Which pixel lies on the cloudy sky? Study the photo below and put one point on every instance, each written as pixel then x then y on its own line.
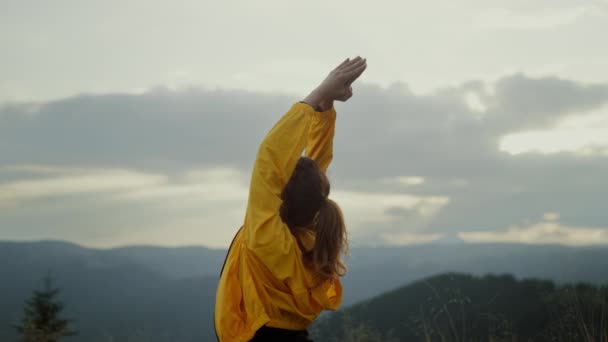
pixel 137 122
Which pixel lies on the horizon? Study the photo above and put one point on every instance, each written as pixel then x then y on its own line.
pixel 358 246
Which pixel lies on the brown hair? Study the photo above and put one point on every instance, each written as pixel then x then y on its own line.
pixel 306 206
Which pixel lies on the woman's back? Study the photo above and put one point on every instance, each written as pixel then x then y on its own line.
pixel 283 266
pixel 265 280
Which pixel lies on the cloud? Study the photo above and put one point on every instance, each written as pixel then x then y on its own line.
pixel 108 207
pixel 551 216
pixel 12 193
pixel 404 163
pixel 579 134
pixel 409 238
pixel 201 186
pixel 410 180
pixel 522 103
pixel 38 169
pixel 548 232
pixel 377 211
pixel 197 126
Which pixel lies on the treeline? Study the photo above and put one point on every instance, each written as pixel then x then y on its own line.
pixel 461 307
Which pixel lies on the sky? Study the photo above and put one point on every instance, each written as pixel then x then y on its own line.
pixel 137 122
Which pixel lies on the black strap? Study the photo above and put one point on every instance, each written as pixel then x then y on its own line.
pixel 229 248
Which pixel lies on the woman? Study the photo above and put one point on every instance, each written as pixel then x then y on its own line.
pixel 284 264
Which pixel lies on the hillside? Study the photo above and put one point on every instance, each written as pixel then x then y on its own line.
pixel 461 307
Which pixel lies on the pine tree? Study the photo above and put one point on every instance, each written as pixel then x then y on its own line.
pixel 40 322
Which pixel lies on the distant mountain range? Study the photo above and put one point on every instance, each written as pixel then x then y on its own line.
pixel 111 294
pixel 152 293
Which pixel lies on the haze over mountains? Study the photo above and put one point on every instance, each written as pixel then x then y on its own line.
pixel 168 293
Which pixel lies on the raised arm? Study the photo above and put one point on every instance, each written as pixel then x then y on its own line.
pixel 322 129
pixel 321 137
pixel 276 159
pixel 278 154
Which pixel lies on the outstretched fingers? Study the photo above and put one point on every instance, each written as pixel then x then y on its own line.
pixel 353 66
pixel 349 64
pixel 353 74
pixel 342 64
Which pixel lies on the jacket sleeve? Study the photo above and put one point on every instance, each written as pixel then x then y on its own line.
pixel 265 234
pixel 321 138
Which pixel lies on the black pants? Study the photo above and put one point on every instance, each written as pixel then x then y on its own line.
pixel 267 334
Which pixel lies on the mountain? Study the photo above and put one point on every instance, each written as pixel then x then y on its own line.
pixel 462 307
pixel 375 270
pixel 110 295
pixel 159 291
pixel 176 262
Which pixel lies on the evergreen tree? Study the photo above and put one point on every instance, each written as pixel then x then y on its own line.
pixel 41 322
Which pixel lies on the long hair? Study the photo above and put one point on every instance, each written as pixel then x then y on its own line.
pixel 306 206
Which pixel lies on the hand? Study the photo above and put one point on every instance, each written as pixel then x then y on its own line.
pixel 337 85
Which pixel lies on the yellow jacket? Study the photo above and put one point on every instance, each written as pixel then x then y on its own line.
pixel 264 280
